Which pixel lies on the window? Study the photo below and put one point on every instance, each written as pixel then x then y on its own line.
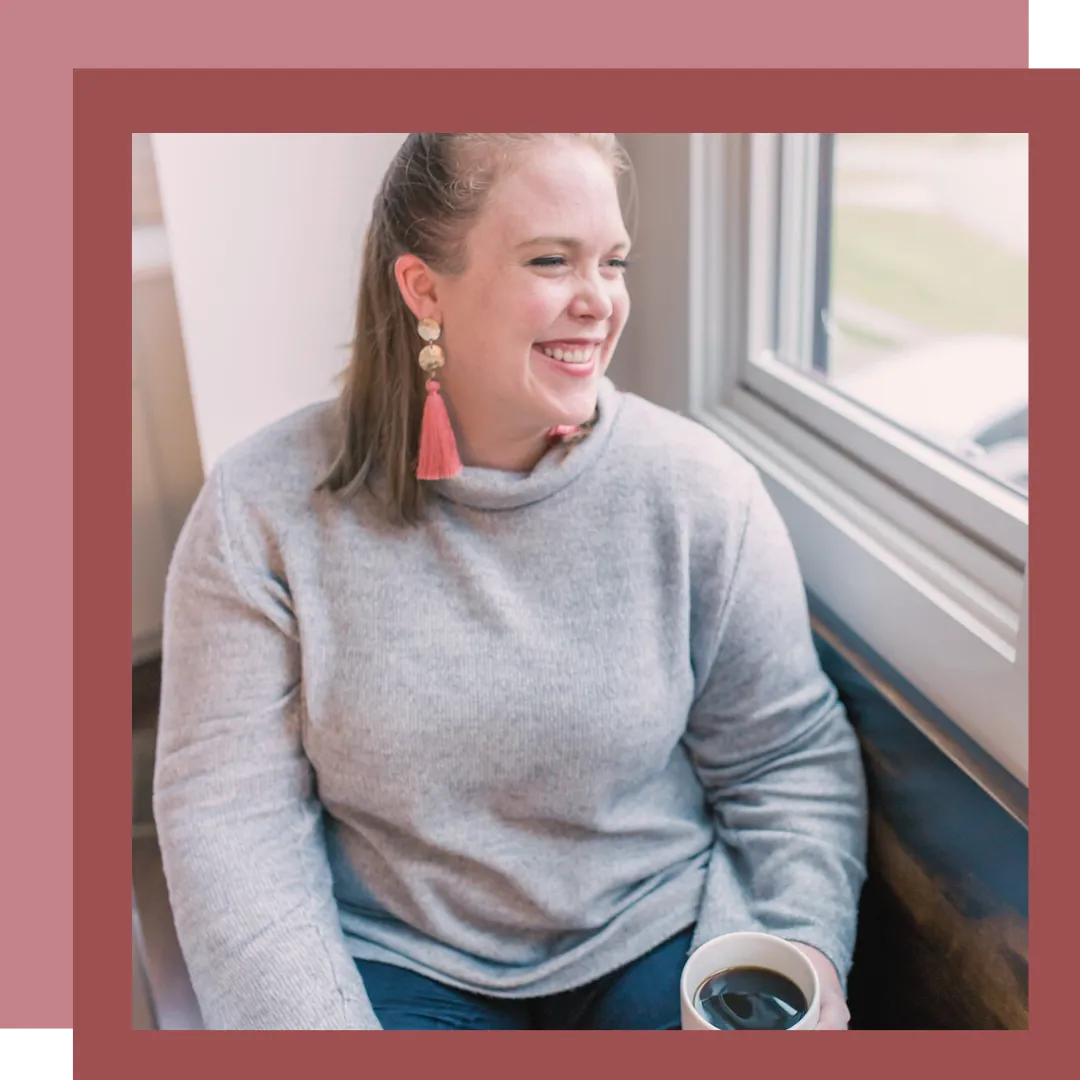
pixel 921 288
pixel 859 330
pixel 897 311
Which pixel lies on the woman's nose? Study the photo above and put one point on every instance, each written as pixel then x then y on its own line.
pixel 591 299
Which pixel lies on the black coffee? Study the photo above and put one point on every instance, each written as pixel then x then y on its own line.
pixel 750 999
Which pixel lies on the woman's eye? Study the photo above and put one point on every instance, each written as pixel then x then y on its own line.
pixel 560 260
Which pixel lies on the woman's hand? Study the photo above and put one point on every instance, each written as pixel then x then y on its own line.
pixel 834 1009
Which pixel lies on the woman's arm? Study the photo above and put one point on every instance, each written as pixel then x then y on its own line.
pixel 238 819
pixel 777 756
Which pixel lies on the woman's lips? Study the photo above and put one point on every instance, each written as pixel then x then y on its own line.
pixel 576 370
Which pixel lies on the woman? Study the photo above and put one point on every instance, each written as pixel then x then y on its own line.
pixel 495 748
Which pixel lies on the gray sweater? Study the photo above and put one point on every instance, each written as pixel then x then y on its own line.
pixel 575 712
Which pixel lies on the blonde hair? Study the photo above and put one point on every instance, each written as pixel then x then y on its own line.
pixel 433 191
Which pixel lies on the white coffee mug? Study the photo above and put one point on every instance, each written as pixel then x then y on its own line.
pixel 748 949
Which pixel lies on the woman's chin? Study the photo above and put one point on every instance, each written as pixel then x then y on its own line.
pixel 574 416
pixel 573 409
pixel 569 393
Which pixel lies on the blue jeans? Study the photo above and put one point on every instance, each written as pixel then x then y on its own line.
pixel 643 995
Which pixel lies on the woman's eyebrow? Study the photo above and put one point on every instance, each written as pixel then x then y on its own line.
pixel 569 242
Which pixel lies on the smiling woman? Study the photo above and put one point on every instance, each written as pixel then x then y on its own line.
pixel 517 291
pixel 494 749
pixel 533 306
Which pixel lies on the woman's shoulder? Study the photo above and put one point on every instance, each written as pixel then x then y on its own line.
pixel 284 459
pixel 702 486
pixel 259 491
pixel 679 453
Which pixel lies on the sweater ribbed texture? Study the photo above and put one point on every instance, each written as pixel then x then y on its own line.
pixel 514 748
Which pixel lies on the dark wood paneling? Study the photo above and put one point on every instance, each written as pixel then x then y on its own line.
pixel 943 929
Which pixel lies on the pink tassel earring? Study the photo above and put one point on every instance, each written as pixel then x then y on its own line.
pixel 438 450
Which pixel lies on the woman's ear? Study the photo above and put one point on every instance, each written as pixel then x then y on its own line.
pixel 418 286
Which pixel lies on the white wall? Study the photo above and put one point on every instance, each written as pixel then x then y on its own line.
pixel 166 471
pixel 651 359
pixel 265 233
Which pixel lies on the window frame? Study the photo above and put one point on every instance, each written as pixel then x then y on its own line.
pixel 784 234
pixel 863 501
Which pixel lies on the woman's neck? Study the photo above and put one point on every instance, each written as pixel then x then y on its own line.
pixel 490 451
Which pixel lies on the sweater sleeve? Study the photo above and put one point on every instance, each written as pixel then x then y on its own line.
pixel 777 756
pixel 238 819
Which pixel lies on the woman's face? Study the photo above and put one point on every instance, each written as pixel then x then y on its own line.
pixel 530 325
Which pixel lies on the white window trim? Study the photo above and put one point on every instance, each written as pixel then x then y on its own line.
pixel 979 505
pixel 945 609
